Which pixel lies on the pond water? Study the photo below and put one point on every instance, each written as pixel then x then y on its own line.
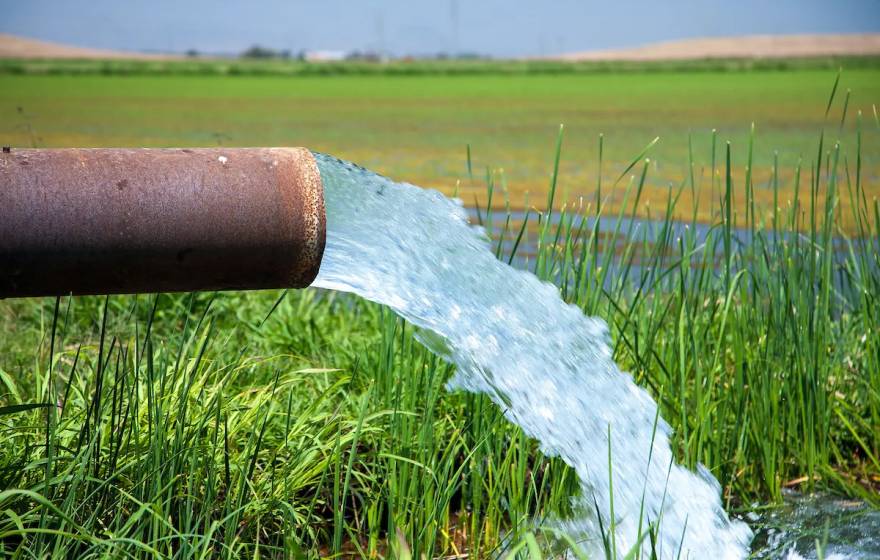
pixel 844 529
pixel 643 235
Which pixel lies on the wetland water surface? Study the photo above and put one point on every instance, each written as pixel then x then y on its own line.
pixel 842 528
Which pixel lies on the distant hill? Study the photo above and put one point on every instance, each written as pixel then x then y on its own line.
pixel 754 46
pixel 13 46
pixel 748 47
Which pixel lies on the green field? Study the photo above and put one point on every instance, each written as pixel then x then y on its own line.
pixel 417 128
pixel 306 424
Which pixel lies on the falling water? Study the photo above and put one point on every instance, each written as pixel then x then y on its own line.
pixel 547 365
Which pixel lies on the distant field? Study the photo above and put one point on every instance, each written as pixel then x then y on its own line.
pixel 14 46
pixel 417 128
pixel 753 46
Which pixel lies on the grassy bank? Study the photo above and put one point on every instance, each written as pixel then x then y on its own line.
pixel 416 128
pixel 310 423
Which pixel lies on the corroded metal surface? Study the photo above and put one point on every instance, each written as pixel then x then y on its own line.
pixel 106 221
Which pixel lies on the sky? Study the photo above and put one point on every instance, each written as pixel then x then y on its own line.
pixel 500 28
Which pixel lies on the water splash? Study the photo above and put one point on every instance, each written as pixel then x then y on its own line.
pixel 547 365
pixel 845 529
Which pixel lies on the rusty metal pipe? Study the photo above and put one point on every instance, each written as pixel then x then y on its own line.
pixel 112 221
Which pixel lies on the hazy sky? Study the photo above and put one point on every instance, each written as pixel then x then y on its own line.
pixel 495 27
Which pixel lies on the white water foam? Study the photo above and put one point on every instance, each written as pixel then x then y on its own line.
pixel 547 365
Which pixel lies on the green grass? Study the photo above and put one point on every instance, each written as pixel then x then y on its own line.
pixel 415 128
pixel 209 425
pixel 472 67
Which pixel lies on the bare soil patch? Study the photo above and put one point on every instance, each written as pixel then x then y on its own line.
pixel 755 46
pixel 13 46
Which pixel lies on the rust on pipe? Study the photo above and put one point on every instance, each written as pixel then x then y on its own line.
pixel 112 221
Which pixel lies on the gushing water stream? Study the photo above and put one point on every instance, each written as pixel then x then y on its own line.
pixel 547 365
